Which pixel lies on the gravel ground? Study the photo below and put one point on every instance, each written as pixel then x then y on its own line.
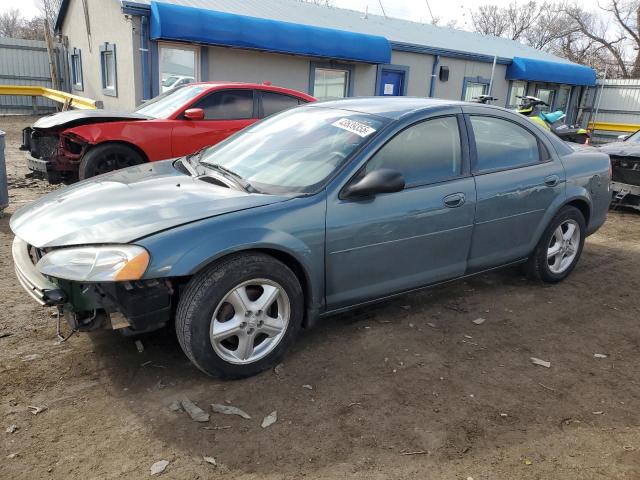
pixel 408 389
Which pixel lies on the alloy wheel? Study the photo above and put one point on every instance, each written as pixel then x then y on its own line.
pixel 563 246
pixel 250 321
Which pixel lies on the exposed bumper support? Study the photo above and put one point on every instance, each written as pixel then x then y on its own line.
pixel 37 286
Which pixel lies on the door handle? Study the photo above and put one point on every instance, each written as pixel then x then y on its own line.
pixel 454 200
pixel 551 180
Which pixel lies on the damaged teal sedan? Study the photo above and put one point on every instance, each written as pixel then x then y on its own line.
pixel 313 211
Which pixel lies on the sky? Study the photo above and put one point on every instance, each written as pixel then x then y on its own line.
pixel 416 10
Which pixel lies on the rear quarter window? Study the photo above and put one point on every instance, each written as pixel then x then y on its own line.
pixel 276 102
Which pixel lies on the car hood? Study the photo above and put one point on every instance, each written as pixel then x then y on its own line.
pixel 622 149
pixel 73 118
pixel 126 205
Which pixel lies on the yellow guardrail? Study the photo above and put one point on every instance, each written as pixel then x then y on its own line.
pixel 614 127
pixel 68 99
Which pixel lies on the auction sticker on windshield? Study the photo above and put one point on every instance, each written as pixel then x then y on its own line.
pixel 352 126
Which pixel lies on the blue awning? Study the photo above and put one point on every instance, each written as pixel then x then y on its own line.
pixel 552 72
pixel 189 24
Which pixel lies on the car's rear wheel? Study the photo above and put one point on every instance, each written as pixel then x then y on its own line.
pixel 560 247
pixel 239 316
pixel 107 158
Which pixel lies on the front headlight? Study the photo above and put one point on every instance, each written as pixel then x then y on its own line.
pixel 110 263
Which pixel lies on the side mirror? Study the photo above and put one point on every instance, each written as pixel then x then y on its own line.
pixel 623 137
pixel 194 114
pixel 383 180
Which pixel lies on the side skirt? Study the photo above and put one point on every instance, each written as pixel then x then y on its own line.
pixel 418 289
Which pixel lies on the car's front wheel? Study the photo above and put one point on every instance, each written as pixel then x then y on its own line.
pixel 239 316
pixel 560 247
pixel 107 158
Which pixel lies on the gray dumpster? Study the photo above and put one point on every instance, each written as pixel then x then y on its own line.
pixel 4 191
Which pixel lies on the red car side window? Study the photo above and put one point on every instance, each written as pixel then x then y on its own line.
pixel 276 102
pixel 227 105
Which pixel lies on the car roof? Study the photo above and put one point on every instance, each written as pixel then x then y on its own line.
pixel 391 107
pixel 257 86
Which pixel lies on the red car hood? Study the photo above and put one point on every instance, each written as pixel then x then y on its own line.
pixel 74 118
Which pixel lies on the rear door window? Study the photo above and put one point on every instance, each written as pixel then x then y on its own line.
pixel 276 102
pixel 227 105
pixel 501 144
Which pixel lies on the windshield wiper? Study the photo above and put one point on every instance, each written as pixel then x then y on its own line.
pixel 246 186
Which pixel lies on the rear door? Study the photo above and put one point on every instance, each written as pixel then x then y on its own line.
pixel 518 179
pixel 225 113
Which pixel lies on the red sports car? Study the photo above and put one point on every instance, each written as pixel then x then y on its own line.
pixel 83 143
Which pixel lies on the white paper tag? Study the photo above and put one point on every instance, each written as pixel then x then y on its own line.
pixel 388 88
pixel 352 126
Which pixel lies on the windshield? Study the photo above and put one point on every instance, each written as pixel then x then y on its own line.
pixel 294 151
pixel 164 105
pixel 635 138
pixel 169 81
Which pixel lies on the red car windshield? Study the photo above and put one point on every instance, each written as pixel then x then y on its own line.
pixel 163 106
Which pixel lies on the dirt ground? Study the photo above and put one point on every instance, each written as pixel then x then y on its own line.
pixel 408 389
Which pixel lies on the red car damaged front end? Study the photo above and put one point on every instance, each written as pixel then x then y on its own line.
pixel 53 156
pixel 54 150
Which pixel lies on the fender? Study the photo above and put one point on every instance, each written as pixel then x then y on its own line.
pixel 573 193
pixel 150 137
pixel 186 250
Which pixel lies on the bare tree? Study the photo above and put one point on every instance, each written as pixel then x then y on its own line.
pixel 14 25
pixel 326 3
pixel 570 31
pixel 11 23
pixel 511 21
pixel 49 9
pixel 593 27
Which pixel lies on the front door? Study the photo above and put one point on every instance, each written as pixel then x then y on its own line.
pixel 398 241
pixel 225 113
pixel 391 83
pixel 518 180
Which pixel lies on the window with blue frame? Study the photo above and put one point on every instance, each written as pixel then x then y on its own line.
pixel 473 87
pixel 75 61
pixel 108 69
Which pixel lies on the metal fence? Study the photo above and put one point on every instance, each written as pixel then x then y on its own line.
pixel 26 62
pixel 611 108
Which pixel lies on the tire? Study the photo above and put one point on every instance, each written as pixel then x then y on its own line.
pixel 107 158
pixel 221 339
pixel 553 269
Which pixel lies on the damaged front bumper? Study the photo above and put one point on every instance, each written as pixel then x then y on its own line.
pixel 137 307
pixel 51 155
pixel 36 285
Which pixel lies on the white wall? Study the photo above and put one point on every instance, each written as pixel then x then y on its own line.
pixel 419 71
pixel 107 24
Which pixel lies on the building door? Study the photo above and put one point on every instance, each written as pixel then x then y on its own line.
pixel 391 83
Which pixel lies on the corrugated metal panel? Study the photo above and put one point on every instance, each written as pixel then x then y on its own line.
pixel 24 62
pixel 616 101
pixel 395 30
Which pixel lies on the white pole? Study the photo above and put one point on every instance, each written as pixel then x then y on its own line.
pixel 493 71
pixel 604 80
